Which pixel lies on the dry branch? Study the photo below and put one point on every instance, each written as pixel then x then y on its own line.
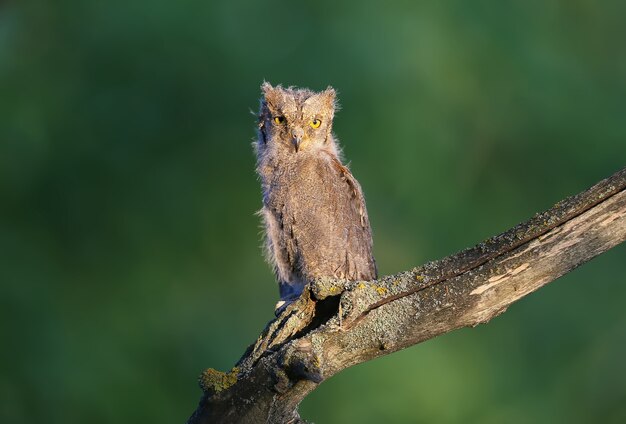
pixel 335 325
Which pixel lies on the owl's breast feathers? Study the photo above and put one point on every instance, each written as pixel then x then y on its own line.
pixel 320 225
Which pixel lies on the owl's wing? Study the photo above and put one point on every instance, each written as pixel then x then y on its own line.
pixel 356 192
pixel 360 263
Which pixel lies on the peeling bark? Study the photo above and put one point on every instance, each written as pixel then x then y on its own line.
pixel 335 325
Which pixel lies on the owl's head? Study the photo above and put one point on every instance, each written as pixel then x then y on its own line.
pixel 296 120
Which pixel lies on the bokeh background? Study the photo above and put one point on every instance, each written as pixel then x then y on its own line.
pixel 129 248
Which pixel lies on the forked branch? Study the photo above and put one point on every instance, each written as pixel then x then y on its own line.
pixel 335 325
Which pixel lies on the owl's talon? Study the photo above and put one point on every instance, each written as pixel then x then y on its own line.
pixel 281 305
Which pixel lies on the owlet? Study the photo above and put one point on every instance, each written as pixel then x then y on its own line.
pixel 314 214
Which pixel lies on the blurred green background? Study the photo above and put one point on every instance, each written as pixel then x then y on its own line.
pixel 129 248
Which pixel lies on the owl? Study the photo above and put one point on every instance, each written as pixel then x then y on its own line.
pixel 314 214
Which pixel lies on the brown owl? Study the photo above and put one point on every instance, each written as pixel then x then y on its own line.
pixel 313 211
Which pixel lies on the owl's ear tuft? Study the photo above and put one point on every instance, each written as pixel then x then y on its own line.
pixel 329 97
pixel 266 87
pixel 271 94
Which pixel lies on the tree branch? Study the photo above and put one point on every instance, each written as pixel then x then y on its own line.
pixel 335 325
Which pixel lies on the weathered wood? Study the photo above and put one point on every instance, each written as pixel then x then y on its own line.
pixel 335 325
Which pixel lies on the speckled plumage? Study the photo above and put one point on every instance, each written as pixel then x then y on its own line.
pixel 314 214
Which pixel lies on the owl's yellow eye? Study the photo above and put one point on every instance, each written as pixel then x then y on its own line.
pixel 315 123
pixel 279 119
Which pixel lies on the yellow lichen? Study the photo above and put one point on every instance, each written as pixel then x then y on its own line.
pixel 419 278
pixel 381 290
pixel 216 381
pixel 361 286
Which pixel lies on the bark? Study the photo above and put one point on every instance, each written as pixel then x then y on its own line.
pixel 335 325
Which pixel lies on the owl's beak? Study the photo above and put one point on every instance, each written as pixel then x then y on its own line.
pixel 296 142
pixel 296 137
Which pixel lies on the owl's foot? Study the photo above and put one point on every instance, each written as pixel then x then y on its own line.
pixel 281 305
pixel 289 293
